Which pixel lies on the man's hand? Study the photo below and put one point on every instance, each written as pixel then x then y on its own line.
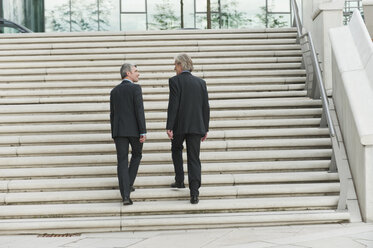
pixel 142 138
pixel 170 134
pixel 204 137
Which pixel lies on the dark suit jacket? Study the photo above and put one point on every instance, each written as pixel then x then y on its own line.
pixel 127 116
pixel 188 106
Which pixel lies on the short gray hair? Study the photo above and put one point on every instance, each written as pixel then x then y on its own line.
pixel 185 61
pixel 126 68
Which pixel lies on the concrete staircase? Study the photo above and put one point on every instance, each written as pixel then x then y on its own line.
pixel 265 161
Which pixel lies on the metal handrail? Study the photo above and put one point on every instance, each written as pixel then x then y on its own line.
pixel 336 154
pixel 316 66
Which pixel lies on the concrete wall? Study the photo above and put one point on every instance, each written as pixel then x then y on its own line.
pixel 326 15
pixel 368 15
pixel 352 70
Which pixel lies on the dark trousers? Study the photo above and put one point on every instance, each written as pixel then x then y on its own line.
pixel 127 174
pixel 193 144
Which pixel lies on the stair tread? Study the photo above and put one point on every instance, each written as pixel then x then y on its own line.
pixel 145 222
pixel 95 117
pixel 165 181
pixel 169 206
pixel 265 161
pixel 167 193
pixel 160 136
pixel 166 168
pixel 168 62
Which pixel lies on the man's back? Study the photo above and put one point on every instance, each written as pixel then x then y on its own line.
pixel 126 110
pixel 188 105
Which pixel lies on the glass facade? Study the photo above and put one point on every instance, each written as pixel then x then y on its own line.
pixel 131 15
pixel 350 6
pixel 29 13
pixel 81 15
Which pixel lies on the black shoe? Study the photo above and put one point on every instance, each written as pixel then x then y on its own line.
pixel 194 199
pixel 177 185
pixel 132 189
pixel 127 201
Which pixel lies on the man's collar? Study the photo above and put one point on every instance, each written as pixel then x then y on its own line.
pixel 127 80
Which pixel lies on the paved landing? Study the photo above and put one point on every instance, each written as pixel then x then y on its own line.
pixel 351 235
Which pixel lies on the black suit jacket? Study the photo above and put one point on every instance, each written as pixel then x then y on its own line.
pixel 188 106
pixel 127 116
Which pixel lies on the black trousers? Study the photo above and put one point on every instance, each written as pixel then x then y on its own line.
pixel 127 174
pixel 193 144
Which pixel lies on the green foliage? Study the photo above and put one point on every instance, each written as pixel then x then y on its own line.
pixel 84 17
pixel 269 20
pixel 231 17
pixel 164 17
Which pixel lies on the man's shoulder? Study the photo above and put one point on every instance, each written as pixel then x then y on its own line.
pixel 197 79
pixel 124 86
pixel 174 78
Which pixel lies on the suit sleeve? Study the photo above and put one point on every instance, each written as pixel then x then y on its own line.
pixel 139 109
pixel 206 108
pixel 173 104
pixel 111 114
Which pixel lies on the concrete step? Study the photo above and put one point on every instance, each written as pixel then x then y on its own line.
pixel 38 91
pixel 147 69
pixel 151 32
pixel 214 125
pixel 159 97
pixel 156 158
pixel 138 36
pixel 155 105
pixel 155 83
pixel 231 192
pixel 164 169
pixel 265 161
pixel 143 50
pixel 157 75
pixel 173 222
pixel 145 44
pixel 155 62
pixel 152 116
pixel 15 185
pixel 160 136
pixel 168 206
pixel 148 56
pixel 230 145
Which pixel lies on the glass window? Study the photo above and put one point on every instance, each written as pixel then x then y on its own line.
pixel 13 10
pixel 242 13
pixel 8 30
pixel 163 14
pixel 84 15
pixel 279 20
pixel 201 15
pixel 108 15
pixel 201 21
pixel 132 22
pixel 133 5
pixel 201 5
pixel 57 15
pixel 278 6
pixel 189 14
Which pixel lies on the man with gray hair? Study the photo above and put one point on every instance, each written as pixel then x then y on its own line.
pixel 188 119
pixel 127 121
